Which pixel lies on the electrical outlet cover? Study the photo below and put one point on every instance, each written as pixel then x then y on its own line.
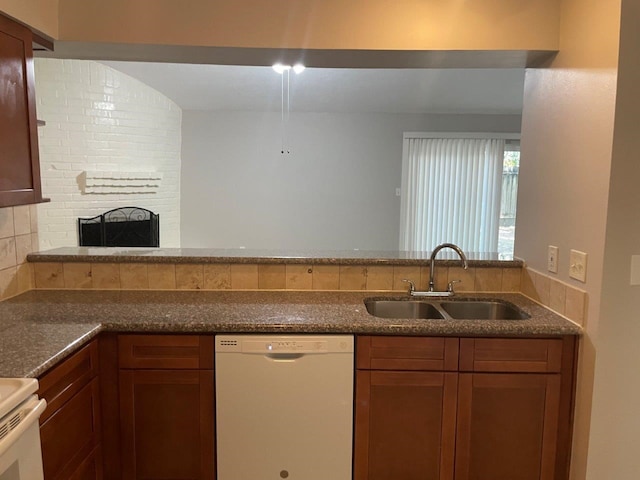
pixel 552 259
pixel 578 265
pixel 635 270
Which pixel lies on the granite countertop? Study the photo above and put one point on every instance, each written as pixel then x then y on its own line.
pixel 238 255
pixel 40 327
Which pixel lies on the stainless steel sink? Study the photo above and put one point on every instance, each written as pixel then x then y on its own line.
pixel 444 309
pixel 484 310
pixel 402 309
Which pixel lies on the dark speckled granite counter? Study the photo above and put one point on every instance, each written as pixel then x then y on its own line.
pixel 220 255
pixel 39 328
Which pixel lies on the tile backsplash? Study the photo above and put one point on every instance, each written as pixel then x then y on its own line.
pixel 560 297
pixel 18 238
pixel 243 276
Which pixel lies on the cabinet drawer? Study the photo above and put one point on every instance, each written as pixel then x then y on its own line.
pixel 70 435
pixel 542 355
pixel 62 382
pixel 182 352
pixel 407 353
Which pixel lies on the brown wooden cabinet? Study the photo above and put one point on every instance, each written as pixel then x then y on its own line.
pixel 70 427
pixel 405 425
pixel 166 407
pixel 507 426
pixel 463 409
pixel 405 407
pixel 19 158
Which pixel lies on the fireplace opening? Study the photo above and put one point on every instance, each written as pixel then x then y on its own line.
pixel 120 227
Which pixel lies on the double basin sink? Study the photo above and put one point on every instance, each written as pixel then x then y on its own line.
pixel 441 309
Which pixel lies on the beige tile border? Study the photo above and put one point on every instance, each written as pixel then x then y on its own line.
pixel 162 276
pixel 105 276
pixel 560 297
pixel 375 278
pixel 379 277
pixel 244 276
pixel 272 277
pixel 18 238
pixel 298 277
pixel 189 277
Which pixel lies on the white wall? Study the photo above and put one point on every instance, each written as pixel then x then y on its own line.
pixel 615 434
pixel 563 192
pixel 100 119
pixel 335 190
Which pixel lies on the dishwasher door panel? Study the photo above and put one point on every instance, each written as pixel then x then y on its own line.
pixel 283 413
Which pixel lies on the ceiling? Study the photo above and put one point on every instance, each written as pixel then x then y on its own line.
pixel 245 88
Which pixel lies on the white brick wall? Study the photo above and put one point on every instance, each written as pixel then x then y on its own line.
pixel 99 119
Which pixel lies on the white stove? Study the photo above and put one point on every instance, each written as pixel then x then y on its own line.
pixel 20 409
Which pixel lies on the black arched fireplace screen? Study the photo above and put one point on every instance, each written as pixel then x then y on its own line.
pixel 120 227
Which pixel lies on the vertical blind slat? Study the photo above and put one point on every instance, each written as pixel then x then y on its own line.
pixel 453 188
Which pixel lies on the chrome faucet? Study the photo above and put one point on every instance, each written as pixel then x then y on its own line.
pixel 432 266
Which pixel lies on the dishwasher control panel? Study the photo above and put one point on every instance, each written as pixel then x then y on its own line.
pixel 284 344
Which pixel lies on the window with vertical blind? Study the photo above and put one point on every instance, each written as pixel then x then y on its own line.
pixel 452 191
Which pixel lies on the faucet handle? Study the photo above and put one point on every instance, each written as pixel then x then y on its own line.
pixel 412 286
pixel 450 285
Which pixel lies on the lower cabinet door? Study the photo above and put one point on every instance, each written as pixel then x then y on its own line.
pixel 167 424
pixel 405 425
pixel 71 433
pixel 507 426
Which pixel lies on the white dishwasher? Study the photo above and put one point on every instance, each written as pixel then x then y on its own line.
pixel 284 407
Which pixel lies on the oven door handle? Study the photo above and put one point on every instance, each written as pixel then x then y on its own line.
pixel 32 409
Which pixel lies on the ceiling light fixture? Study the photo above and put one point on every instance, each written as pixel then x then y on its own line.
pixel 285 71
pixel 280 68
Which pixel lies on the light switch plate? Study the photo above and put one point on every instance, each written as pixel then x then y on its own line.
pixel 635 270
pixel 552 259
pixel 578 265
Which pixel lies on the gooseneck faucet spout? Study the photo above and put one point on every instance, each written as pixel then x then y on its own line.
pixel 432 261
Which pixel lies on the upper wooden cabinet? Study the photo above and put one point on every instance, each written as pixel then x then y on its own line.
pixel 19 159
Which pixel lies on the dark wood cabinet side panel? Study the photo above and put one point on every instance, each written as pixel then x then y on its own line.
pixel 451 354
pixel 127 424
pixel 449 412
pixel 110 405
pixel 62 382
pixel 71 433
pixel 363 351
pixel 207 425
pixel 362 415
pixel 189 352
pixel 567 404
pixel 207 352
